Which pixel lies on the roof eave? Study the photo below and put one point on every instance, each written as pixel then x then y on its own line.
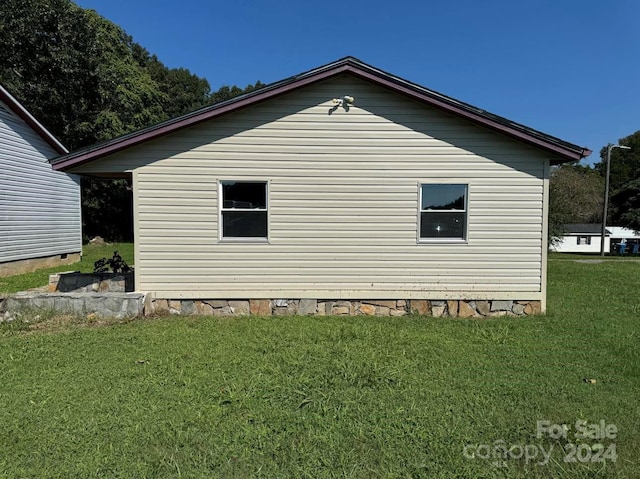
pixel 563 152
pixel 30 120
pixel 568 154
pixel 185 121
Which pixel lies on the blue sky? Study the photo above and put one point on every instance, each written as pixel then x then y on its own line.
pixel 566 67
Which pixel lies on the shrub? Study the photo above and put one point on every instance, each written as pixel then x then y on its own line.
pixel 115 263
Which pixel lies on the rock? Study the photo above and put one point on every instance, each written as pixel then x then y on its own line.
pixel 340 310
pixel 350 307
pixel 497 305
pixel 401 303
pixel 204 308
pixel 147 305
pixel 534 307
pixel 438 310
pixel 385 303
pixel 383 310
pixel 397 312
pixel 518 309
pixel 465 310
pixel 289 310
pixel 188 307
pixel 483 307
pixel 322 308
pixel 496 314
pixel 161 306
pixel 216 303
pixel 174 307
pixel 368 309
pixel 241 308
pixel 98 241
pixel 224 311
pixel 260 307
pixel 421 306
pixel 452 306
pixel 308 306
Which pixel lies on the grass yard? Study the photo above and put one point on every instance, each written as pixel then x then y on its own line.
pixel 331 397
pixel 91 254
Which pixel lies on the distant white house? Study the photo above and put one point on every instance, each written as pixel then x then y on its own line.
pixel 40 220
pixel 586 238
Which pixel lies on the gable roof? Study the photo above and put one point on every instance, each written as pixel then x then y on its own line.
pixel 563 150
pixel 21 112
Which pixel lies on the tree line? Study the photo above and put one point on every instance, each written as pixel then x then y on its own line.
pixel 577 192
pixel 86 80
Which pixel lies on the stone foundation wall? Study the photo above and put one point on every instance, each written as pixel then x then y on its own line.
pixel 304 307
pixel 29 265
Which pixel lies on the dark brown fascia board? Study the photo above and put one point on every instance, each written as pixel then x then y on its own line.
pixel 30 120
pixel 567 151
pixel 171 126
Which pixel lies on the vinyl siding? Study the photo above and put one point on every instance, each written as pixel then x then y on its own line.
pixel 343 202
pixel 39 207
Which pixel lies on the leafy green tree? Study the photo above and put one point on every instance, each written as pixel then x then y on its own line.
pixel 107 209
pixel 228 92
pixel 87 81
pixel 624 202
pixel 625 164
pixel 626 205
pixel 576 195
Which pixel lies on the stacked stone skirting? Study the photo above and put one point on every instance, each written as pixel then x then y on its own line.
pixel 304 307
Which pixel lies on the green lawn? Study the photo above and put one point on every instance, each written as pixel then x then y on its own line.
pixel 329 397
pixel 20 282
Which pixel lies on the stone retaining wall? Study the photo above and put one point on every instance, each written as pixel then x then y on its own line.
pixel 74 281
pixel 303 307
pixel 107 305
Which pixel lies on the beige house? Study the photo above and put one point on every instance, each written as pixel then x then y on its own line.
pixel 344 189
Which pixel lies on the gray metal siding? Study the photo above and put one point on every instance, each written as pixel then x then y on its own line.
pixel 39 207
pixel 343 203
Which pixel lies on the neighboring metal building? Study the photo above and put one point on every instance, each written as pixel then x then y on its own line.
pixel 343 182
pixel 39 208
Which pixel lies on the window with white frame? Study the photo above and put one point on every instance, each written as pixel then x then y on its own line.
pixel 244 209
pixel 443 211
pixel 584 240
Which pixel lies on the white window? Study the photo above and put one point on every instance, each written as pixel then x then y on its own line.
pixel 243 209
pixel 443 212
